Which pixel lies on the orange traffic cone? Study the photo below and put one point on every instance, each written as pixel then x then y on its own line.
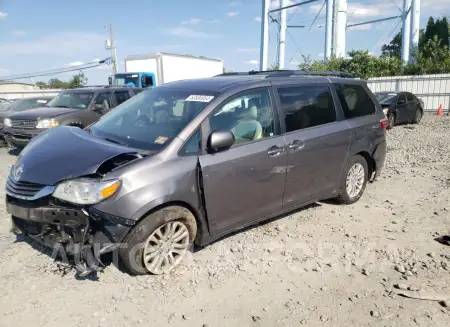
pixel 440 111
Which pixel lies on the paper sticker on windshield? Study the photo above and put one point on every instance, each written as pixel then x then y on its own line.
pixel 42 101
pixel 200 98
pixel 161 139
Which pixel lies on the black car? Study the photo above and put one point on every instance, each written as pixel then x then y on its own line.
pixel 9 107
pixel 400 107
pixel 76 107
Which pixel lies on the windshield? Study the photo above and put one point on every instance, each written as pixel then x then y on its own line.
pixel 124 79
pixel 25 104
pixel 385 98
pixel 67 99
pixel 151 119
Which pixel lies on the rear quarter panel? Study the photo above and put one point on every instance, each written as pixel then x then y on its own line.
pixel 367 133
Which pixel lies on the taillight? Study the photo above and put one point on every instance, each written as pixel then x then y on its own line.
pixel 384 123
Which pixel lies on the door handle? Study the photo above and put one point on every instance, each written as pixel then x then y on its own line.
pixel 275 151
pixel 296 145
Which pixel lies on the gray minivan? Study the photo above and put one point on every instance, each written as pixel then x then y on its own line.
pixel 237 149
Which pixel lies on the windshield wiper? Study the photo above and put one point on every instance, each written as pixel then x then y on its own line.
pixel 58 106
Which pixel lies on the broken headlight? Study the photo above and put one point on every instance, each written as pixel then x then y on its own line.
pixel 85 190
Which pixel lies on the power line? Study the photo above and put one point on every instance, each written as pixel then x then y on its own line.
pixel 388 34
pixel 58 70
pixel 315 18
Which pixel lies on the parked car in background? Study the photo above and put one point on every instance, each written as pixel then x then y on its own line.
pixel 400 107
pixel 74 107
pixel 9 107
pixel 236 150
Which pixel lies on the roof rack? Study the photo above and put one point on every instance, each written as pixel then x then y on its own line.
pixel 233 74
pixel 105 86
pixel 289 73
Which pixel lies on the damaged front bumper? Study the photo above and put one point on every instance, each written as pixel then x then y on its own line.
pixel 83 233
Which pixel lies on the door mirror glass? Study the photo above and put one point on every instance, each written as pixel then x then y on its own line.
pixel 220 140
pixel 98 107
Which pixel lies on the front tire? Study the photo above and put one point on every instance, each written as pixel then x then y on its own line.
pixel 159 242
pixel 391 121
pixel 354 180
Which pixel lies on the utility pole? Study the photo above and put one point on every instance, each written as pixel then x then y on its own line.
pixel 113 49
pixel 415 25
pixel 340 30
pixel 282 44
pixel 329 30
pixel 264 35
pixel 406 29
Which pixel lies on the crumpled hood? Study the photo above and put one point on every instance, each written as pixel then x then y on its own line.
pixel 65 152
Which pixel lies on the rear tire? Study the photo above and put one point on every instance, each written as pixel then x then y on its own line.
pixel 418 117
pixel 354 180
pixel 152 246
pixel 391 121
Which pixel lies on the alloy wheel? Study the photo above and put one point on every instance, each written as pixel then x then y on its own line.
pixel 166 247
pixel 355 180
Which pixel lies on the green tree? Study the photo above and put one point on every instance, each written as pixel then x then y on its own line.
pixel 79 80
pixel 430 31
pixel 360 64
pixel 42 85
pixel 55 83
pixel 273 67
pixel 393 49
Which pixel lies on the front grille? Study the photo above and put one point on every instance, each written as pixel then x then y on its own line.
pixel 22 189
pixel 23 123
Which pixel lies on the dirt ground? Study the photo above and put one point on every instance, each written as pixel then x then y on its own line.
pixel 326 265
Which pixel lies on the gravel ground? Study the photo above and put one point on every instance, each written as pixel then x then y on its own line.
pixel 324 265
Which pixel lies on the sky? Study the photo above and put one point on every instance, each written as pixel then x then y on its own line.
pixel 37 35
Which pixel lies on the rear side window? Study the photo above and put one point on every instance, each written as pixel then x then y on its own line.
pixel 121 96
pixel 355 101
pixel 306 106
pixel 401 99
pixel 410 97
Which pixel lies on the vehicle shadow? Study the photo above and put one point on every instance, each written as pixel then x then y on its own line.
pixel 262 223
pixel 14 151
pixel 65 264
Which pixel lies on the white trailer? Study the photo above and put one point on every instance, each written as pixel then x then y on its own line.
pixel 169 67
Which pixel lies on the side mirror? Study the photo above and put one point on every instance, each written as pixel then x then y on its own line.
pixel 220 140
pixel 110 80
pixel 98 107
pixel 401 101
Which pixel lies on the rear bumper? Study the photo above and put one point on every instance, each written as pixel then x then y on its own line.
pixel 379 156
pixel 82 233
pixel 20 137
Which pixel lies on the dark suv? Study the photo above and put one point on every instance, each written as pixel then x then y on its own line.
pixel 238 149
pixel 76 107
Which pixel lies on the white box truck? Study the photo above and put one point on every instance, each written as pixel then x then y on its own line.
pixel 158 68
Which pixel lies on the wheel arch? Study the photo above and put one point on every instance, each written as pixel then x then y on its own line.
pixel 197 215
pixel 371 164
